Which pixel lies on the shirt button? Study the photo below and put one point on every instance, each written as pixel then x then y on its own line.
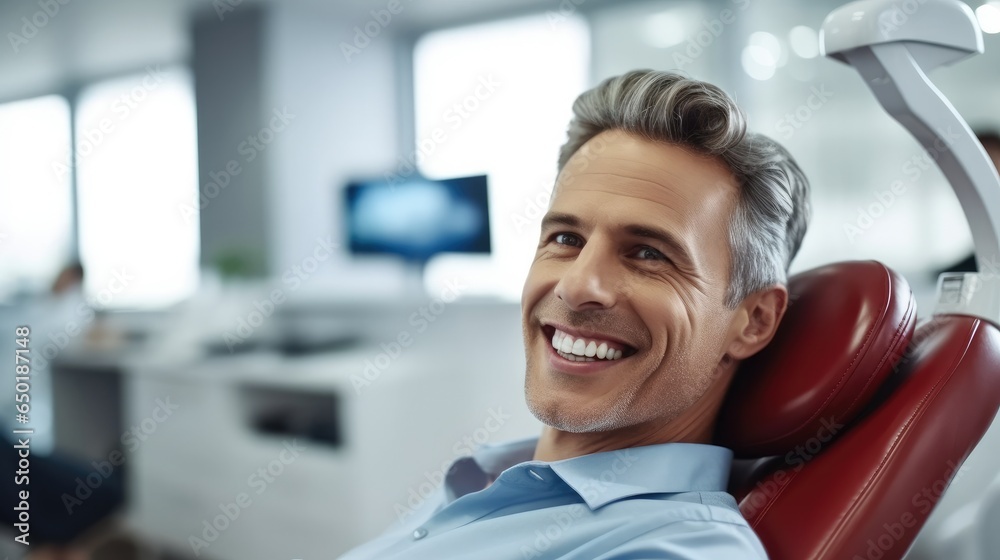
pixel 419 534
pixel 536 475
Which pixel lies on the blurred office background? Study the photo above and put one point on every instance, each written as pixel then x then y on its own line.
pixel 195 157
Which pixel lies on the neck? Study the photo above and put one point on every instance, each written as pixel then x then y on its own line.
pixel 694 425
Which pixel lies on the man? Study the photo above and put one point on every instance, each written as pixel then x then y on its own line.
pixel 661 265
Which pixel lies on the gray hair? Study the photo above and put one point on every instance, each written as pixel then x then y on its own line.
pixel 772 212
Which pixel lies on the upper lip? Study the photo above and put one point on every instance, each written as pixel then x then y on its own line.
pixel 581 333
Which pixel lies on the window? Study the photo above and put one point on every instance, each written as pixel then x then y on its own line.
pixel 496 98
pixel 136 159
pixel 35 196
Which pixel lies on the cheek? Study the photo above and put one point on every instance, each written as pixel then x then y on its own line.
pixel 708 342
pixel 668 321
pixel 532 290
pixel 536 287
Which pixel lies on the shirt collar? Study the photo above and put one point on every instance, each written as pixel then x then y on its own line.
pixel 496 458
pixel 601 478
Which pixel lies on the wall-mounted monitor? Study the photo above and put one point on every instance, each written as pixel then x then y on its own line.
pixel 418 218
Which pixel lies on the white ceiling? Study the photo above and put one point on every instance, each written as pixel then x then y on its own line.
pixel 87 39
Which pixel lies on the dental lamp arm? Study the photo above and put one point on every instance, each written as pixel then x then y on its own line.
pixel 891 50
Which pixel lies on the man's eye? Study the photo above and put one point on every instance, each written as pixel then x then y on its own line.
pixel 649 253
pixel 566 239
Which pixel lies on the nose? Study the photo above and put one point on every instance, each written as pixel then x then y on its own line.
pixel 589 282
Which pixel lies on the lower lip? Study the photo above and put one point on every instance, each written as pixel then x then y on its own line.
pixel 578 368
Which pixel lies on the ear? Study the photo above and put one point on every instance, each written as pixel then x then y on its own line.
pixel 757 320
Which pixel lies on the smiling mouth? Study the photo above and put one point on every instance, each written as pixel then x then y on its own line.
pixel 585 349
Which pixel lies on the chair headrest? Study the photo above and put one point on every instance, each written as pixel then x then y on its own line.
pixel 846 327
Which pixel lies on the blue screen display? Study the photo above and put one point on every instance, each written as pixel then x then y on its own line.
pixel 418 218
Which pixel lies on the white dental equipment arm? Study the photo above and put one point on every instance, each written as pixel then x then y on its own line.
pixel 893 44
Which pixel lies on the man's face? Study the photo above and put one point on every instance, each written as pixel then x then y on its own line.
pixel 633 255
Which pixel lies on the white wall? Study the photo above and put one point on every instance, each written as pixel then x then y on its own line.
pixel 346 125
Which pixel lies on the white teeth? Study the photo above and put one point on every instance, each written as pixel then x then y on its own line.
pixel 581 350
pixel 575 358
pixel 611 355
pixel 567 344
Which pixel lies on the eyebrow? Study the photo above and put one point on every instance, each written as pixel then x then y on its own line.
pixel 675 246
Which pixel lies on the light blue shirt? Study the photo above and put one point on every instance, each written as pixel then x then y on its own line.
pixel 642 503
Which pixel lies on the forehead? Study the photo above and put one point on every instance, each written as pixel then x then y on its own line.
pixel 631 178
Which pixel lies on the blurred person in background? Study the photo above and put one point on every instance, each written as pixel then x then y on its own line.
pixel 70 278
pixel 62 525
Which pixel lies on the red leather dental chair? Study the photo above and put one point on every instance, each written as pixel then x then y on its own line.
pixel 850 424
pixel 854 419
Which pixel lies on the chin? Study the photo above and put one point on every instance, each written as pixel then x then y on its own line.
pixel 558 412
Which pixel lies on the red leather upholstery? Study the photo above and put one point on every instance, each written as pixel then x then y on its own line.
pixel 867 492
pixel 845 327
